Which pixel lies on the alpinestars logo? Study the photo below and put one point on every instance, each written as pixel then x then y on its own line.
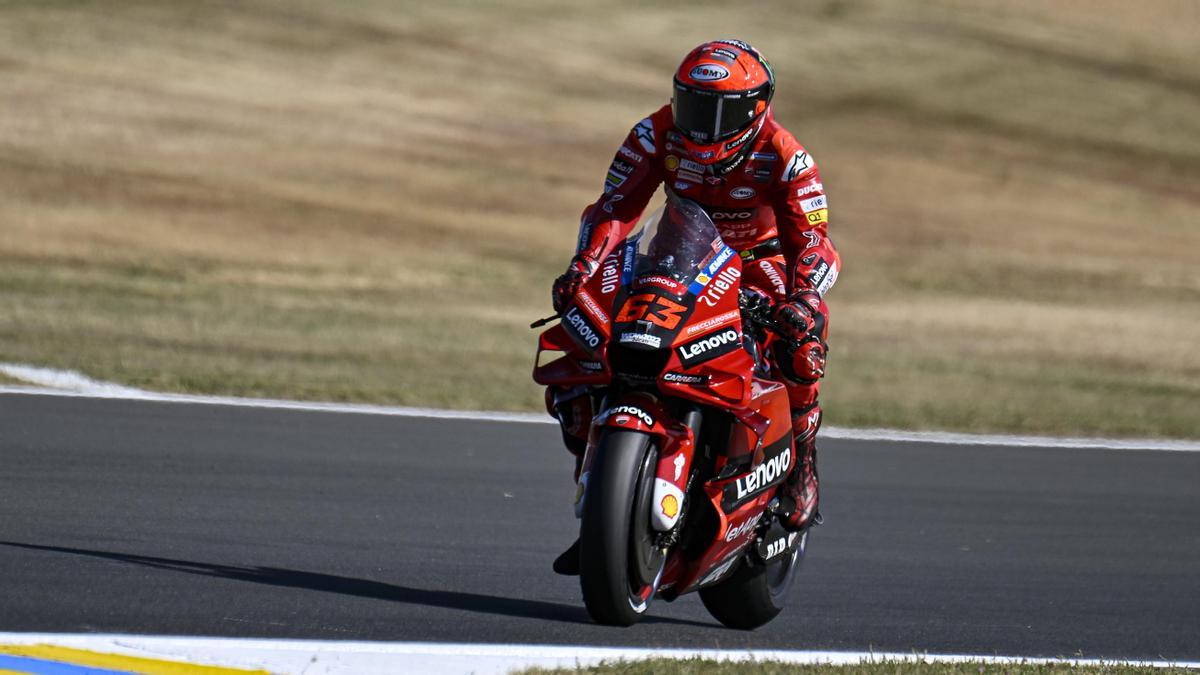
pixel 798 165
pixel 709 347
pixel 644 131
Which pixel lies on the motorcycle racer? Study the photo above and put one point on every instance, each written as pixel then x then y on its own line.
pixel 718 144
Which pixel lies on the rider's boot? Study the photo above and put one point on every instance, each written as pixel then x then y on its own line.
pixel 798 500
pixel 567 562
pixel 573 410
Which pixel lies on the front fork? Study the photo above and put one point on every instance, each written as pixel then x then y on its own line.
pixel 674 431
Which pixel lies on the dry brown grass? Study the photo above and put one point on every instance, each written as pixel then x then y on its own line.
pixel 368 201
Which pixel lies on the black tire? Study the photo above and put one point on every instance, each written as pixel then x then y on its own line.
pixel 614 560
pixel 755 593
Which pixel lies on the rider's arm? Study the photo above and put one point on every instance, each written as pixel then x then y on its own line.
pixel 802 216
pixel 632 178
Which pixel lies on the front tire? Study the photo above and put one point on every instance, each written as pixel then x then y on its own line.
pixel 755 593
pixel 618 566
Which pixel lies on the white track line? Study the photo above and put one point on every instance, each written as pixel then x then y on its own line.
pixel 322 656
pixel 69 383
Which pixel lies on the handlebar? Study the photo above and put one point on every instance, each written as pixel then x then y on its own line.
pixel 542 322
pixel 756 309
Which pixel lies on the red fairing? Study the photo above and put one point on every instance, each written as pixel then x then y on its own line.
pixel 583 335
pixel 708 364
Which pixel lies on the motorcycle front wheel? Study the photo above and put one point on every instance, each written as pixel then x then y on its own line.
pixel 619 564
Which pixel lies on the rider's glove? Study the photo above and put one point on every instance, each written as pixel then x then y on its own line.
pixel 567 285
pixel 798 317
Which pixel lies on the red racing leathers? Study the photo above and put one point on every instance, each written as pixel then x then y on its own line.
pixel 770 206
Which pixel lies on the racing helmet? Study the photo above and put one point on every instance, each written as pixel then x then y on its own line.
pixel 722 90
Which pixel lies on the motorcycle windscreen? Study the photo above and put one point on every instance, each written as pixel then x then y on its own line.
pixel 677 240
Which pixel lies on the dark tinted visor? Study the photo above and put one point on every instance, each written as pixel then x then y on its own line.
pixel 708 117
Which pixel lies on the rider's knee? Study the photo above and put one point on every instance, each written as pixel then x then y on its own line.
pixel 572 407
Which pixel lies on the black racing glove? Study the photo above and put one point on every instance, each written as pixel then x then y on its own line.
pixel 798 317
pixel 567 285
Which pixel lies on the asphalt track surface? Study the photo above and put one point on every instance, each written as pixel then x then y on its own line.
pixel 177 519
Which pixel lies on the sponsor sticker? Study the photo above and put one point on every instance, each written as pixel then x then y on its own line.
pixel 633 411
pixel 691 166
pixel 799 163
pixel 818 216
pixel 689 175
pixel 739 44
pixel 709 324
pixel 814 239
pixel 709 72
pixel 684 378
pixel 613 181
pixel 709 347
pixel 776 462
pixel 742 529
pixel 641 339
pixel 740 140
pixel 644 131
pixel 671 162
pixel 679 185
pixel 630 154
pixel 773 276
pixel 577 325
pixel 814 203
pixel 742 193
pixel 589 304
pixel 809 189
pixel 763 157
pixel 621 167
pixel 816 276
pixel 725 54
pixel 731 215
pixel 722 282
pixel 719 261
pixel 827 282
pixel 670 506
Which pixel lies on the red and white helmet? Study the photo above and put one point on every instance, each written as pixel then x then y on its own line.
pixel 722 90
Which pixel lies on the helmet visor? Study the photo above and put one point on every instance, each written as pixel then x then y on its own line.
pixel 708 117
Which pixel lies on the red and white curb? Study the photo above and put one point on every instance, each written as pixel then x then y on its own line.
pixel 50 382
pixel 313 657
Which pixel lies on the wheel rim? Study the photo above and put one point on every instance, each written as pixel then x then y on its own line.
pixel 781 572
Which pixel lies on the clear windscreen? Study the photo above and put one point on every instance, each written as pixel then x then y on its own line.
pixel 677 241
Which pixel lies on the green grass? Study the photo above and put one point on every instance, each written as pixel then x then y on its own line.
pixel 368 201
pixel 708 667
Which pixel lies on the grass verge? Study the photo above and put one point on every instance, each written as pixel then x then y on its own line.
pixel 368 201
pixel 709 667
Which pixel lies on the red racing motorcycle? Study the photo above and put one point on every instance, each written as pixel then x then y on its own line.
pixel 676 491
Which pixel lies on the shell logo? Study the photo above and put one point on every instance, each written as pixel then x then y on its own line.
pixel 670 506
pixel 672 162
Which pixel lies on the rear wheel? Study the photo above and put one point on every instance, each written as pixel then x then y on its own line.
pixel 755 593
pixel 619 564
